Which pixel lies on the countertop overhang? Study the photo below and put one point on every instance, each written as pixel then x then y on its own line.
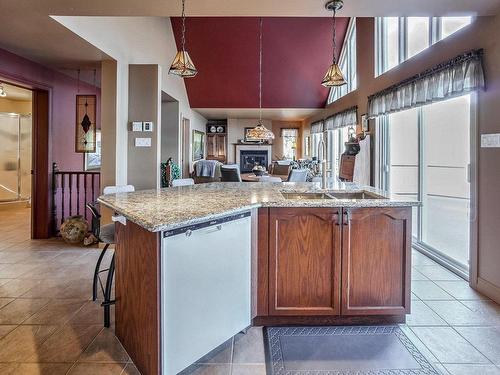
pixel 170 208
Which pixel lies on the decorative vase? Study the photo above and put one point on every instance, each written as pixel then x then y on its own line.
pixel 258 170
pixel 74 229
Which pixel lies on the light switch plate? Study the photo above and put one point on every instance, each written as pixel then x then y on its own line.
pixel 137 126
pixel 143 142
pixel 147 126
pixel 490 140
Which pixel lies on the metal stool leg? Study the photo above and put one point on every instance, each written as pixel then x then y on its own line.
pixel 96 272
pixel 107 294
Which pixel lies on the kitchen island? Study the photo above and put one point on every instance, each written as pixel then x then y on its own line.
pixel 197 264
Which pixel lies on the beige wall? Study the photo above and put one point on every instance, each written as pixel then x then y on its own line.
pixel 15 106
pixel 481 34
pixel 144 105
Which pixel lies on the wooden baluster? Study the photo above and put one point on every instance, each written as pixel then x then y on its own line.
pixel 93 188
pixel 78 193
pixel 63 194
pixel 85 195
pixel 70 193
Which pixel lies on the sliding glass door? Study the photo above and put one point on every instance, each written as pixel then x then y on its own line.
pixel 424 154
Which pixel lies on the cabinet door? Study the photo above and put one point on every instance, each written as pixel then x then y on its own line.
pixel 221 147
pixel 211 147
pixel 376 251
pixel 304 261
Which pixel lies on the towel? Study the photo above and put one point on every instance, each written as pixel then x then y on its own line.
pixel 205 168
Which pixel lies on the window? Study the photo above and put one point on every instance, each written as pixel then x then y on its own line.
pixel 316 139
pixel 289 137
pixel 424 154
pixel 399 38
pixel 335 148
pixel 347 63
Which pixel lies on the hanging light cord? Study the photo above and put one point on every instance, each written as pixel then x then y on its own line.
pixel 260 71
pixel 334 59
pixel 183 42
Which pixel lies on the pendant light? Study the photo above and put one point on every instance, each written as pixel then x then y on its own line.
pixel 334 76
pixel 3 94
pixel 183 65
pixel 260 131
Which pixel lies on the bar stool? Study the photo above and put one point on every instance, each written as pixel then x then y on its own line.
pixel 106 235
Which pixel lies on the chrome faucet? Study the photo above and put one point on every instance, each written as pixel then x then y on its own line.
pixel 322 145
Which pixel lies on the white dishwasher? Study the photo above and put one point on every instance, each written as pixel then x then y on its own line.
pixel 205 288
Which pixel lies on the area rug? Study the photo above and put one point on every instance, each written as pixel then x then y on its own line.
pixel 343 350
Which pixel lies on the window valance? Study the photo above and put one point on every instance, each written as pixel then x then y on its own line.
pixel 456 77
pixel 317 127
pixel 342 119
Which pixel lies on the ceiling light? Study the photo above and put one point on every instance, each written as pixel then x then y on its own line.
pixel 334 76
pixel 260 131
pixel 183 65
pixel 3 94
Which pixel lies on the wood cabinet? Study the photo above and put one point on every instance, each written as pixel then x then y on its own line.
pixel 334 262
pixel 376 251
pixel 304 261
pixel 216 147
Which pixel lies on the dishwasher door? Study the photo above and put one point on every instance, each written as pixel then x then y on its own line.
pixel 205 288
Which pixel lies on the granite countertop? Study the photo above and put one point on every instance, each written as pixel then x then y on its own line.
pixel 170 208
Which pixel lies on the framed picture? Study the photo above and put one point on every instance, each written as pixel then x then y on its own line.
pixel 198 145
pixel 85 125
pixel 92 160
pixel 364 124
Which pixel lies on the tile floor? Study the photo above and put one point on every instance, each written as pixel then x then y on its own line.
pixel 49 325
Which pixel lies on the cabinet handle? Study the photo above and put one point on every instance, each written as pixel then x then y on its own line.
pixel 339 218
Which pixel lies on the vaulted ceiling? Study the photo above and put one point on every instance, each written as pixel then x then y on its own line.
pixel 296 54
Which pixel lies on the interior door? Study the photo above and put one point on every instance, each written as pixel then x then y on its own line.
pixel 9 157
pixel 186 147
pixel 304 261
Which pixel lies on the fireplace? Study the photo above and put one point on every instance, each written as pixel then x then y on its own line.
pixel 250 158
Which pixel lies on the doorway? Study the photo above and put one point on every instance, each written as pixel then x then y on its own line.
pixel 425 155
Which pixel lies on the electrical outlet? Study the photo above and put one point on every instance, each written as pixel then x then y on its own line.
pixel 137 126
pixel 490 140
pixel 147 126
pixel 143 142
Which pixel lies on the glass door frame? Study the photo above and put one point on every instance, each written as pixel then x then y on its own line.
pixel 382 181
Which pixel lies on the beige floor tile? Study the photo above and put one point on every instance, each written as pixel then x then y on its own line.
pixel 248 370
pixel 67 344
pixel 5 301
pixel 20 309
pixel 91 313
pixel 79 288
pixel 460 290
pixel 207 369
pixel 105 348
pixel 130 369
pixel 97 369
pixel 12 271
pixel 249 347
pixel 6 329
pixel 57 312
pixel 456 369
pixel 49 288
pixel 448 346
pixel 23 342
pixel 422 315
pixel 437 273
pixel 17 287
pixel 485 339
pixel 415 275
pixel 456 313
pixel 222 354
pixel 428 290
pixel 39 369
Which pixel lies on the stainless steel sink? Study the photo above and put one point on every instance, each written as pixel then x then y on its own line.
pixel 299 196
pixel 356 195
pixel 333 195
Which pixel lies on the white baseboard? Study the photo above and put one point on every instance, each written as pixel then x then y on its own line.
pixel 488 289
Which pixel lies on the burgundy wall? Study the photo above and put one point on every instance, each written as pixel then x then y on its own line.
pixel 296 54
pixel 62 89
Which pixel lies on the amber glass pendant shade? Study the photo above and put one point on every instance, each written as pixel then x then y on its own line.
pixel 260 132
pixel 183 65
pixel 333 77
